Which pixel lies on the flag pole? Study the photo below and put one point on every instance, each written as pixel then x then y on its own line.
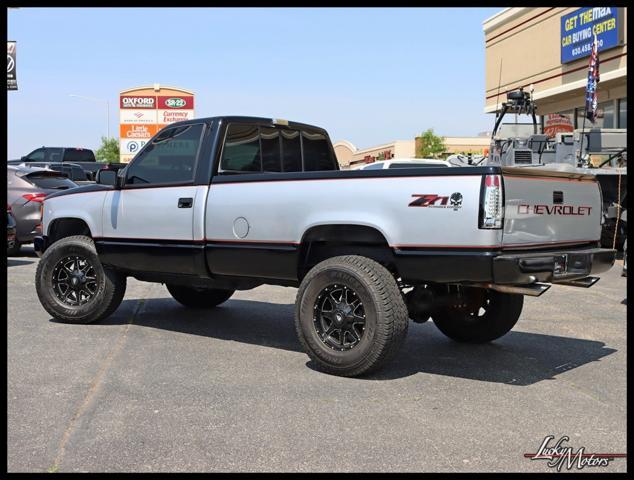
pixel 591 76
pixel 583 134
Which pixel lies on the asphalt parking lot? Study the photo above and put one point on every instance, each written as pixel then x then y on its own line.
pixel 157 387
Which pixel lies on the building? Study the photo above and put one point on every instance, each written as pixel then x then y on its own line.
pixel 348 155
pixel 549 48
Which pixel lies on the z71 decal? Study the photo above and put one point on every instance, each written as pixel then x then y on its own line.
pixel 433 200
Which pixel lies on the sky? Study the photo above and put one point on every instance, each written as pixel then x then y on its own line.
pixel 369 76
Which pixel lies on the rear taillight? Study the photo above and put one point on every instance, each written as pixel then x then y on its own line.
pixel 34 197
pixel 491 202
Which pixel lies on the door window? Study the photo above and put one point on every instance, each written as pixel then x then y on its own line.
pixel 53 154
pixel 169 158
pixel 36 155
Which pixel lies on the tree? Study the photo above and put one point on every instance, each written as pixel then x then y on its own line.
pixel 430 145
pixel 109 150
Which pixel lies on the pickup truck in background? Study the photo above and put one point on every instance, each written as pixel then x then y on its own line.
pixel 214 205
pixel 83 157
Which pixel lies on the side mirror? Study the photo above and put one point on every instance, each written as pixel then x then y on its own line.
pixel 107 177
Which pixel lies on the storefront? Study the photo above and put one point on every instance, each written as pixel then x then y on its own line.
pixel 549 48
pixel 349 156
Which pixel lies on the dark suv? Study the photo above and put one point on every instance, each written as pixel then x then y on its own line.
pixel 83 157
pixel 60 154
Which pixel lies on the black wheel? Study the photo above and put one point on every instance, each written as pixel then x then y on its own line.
pixel 14 250
pixel 483 316
pixel 73 286
pixel 350 315
pixel 607 234
pixel 199 297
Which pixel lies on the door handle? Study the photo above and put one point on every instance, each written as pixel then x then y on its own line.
pixel 185 202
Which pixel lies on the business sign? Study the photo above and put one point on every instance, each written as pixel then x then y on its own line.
pixel 176 102
pixel 137 131
pixel 555 123
pixel 144 111
pixel 579 27
pixel 132 101
pixel 131 147
pixel 12 82
pixel 165 117
pixel 137 116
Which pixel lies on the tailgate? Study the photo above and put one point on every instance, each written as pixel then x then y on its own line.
pixel 550 208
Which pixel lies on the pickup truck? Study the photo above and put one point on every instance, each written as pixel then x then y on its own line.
pixel 215 205
pixel 83 157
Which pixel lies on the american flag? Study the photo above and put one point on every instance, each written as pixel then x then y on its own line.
pixel 593 80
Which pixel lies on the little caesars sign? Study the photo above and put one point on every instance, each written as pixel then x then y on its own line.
pixel 146 110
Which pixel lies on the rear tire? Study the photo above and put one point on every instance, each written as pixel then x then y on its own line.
pixel 73 286
pixel 607 234
pixel 470 325
pixel 350 315
pixel 199 297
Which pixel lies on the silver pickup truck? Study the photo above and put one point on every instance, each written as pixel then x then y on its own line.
pixel 214 205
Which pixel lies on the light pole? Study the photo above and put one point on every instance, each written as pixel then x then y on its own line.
pixel 97 100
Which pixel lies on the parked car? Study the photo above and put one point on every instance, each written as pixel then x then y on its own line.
pixel 214 205
pixel 10 229
pixel 73 171
pixel 404 163
pixel 26 189
pixel 80 156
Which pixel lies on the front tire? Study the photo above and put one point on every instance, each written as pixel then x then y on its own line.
pixel 193 297
pixel 350 315
pixel 485 316
pixel 73 286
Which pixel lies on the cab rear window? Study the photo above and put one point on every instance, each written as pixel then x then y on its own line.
pixel 78 155
pixel 261 149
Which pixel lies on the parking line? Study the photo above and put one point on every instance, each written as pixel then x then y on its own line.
pixel 94 386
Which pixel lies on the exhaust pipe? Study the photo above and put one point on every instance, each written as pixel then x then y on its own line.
pixel 533 289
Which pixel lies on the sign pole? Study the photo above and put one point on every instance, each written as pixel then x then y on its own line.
pixel 108 117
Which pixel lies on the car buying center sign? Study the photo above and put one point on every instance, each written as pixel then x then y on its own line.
pixel 144 111
pixel 579 27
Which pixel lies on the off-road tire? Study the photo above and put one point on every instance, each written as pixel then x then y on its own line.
pixel 386 317
pixel 199 297
pixel 499 318
pixel 110 289
pixel 607 234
